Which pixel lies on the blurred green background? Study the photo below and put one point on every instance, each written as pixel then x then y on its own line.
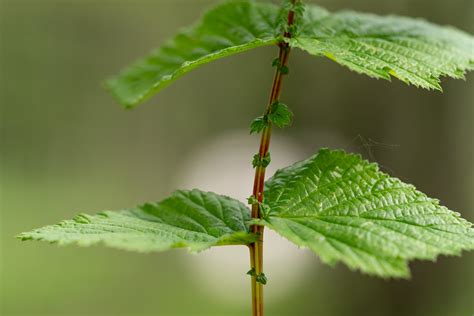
pixel 67 147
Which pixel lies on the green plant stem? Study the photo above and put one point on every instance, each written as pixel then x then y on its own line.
pixel 256 249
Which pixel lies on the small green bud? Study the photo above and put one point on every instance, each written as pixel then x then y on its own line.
pixel 258 124
pixel 252 200
pixel 284 70
pixel 257 162
pixel 280 115
pixel 266 160
pixel 261 278
pixel 276 62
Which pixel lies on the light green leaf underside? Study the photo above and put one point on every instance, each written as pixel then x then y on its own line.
pixel 228 29
pixel 345 209
pixel 193 219
pixel 412 50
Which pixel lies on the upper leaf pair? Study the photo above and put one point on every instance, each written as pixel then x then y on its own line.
pixel 413 50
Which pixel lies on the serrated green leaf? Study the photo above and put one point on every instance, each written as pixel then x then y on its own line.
pixel 276 62
pixel 258 124
pixel 415 51
pixel 345 209
pixel 262 278
pixel 412 50
pixel 280 115
pixel 228 29
pixel 252 200
pixel 256 160
pixel 284 70
pixel 261 162
pixel 193 219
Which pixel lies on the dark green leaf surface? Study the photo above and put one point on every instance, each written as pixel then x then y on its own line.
pixel 412 50
pixel 193 219
pixel 344 209
pixel 228 29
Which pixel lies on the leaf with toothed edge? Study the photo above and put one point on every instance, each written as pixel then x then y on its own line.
pixel 344 209
pixel 258 124
pixel 412 50
pixel 280 115
pixel 228 29
pixel 192 219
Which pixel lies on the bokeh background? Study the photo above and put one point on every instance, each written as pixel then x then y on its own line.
pixel 67 147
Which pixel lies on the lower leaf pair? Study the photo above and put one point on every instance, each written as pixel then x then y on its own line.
pixel 336 204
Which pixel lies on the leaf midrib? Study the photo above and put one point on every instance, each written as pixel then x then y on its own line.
pixel 322 217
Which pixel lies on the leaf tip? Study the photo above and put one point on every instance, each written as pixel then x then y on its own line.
pixel 23 237
pixel 111 85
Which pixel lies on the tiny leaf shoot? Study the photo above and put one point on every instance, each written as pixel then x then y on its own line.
pixel 280 115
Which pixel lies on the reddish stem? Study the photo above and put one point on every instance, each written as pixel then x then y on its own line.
pixel 256 249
